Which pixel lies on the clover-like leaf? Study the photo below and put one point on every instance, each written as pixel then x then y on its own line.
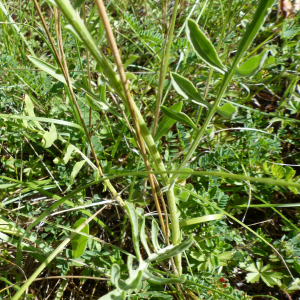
pixel 258 271
pixel 253 64
pixel 203 46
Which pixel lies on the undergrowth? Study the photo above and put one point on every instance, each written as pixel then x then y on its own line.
pixel 149 149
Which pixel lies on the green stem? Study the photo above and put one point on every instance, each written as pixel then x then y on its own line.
pixel 165 65
pixel 113 80
pixel 246 41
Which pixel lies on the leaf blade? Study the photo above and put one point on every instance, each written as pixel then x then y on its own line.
pixel 203 46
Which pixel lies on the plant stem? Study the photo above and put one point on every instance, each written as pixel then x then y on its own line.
pixel 115 51
pixel 165 63
pixel 115 83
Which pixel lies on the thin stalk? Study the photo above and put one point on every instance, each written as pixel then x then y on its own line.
pixel 87 65
pixel 115 51
pixel 226 80
pixel 67 78
pixel 114 82
pixel 165 63
pixel 245 42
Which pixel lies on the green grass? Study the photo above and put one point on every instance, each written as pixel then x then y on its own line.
pixel 193 121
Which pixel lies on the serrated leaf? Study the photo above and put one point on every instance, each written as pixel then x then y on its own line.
pixel 214 260
pixel 178 116
pixel 167 122
pixel 289 173
pixel 257 271
pixel 49 137
pixel 227 111
pixel 79 241
pixel 203 46
pixel 187 90
pixel 253 64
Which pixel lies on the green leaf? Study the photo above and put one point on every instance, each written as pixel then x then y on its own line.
pixel 78 3
pixel 141 216
pixel 178 116
pixel 96 105
pixel 49 137
pixel 154 235
pixel 115 274
pixel 131 59
pixel 171 250
pixel 46 120
pixel 167 122
pixel 187 90
pixel 203 46
pixel 257 271
pixel 66 157
pixel 51 70
pixel 162 281
pixel 79 241
pixel 201 219
pixel 227 111
pixel 29 109
pixel 297 266
pixel 253 64
pixel 77 167
pixel 135 229
pixel 263 9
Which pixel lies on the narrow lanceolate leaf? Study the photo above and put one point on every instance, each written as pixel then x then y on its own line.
pixel 228 111
pixel 49 137
pixel 178 116
pixel 79 241
pixel 171 250
pixel 203 46
pixel 96 105
pixel 186 89
pixel 29 108
pixel 252 65
pixel 201 219
pixel 167 122
pixel 263 9
pixel 135 229
pixel 75 171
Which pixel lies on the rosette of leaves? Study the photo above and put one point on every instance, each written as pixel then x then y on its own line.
pixel 141 272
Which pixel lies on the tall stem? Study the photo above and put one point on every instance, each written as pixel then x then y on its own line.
pixel 165 63
pixel 113 80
